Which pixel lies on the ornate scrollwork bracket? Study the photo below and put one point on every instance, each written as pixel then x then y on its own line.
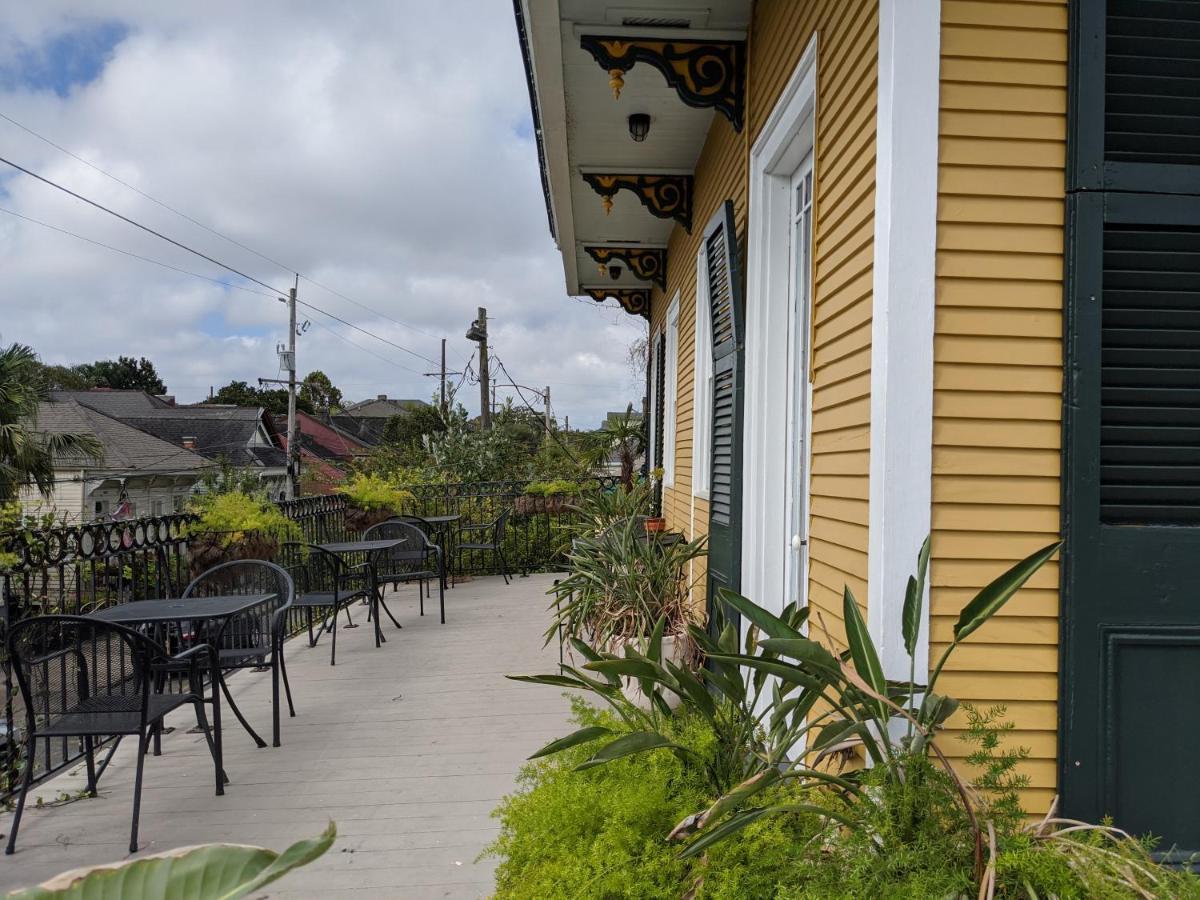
pixel 704 73
pixel 647 263
pixel 635 301
pixel 666 196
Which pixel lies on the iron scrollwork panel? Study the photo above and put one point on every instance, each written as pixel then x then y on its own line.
pixel 705 74
pixel 647 263
pixel 666 196
pixel 635 301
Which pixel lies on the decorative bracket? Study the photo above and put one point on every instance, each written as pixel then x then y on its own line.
pixel 704 73
pixel 666 196
pixel 647 263
pixel 635 301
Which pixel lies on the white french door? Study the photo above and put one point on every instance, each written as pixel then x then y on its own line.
pixel 799 384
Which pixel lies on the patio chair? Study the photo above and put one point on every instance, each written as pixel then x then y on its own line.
pixel 325 581
pixel 84 678
pixel 254 640
pixel 410 561
pixel 492 539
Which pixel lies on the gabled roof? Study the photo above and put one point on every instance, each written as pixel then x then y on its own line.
pixel 126 449
pixel 382 407
pixel 218 431
pixel 116 404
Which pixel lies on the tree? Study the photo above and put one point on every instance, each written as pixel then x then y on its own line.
pixel 625 436
pixel 122 374
pixel 273 400
pixel 26 455
pixel 407 431
pixel 319 393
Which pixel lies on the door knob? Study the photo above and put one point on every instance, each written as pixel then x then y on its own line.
pixel 798 542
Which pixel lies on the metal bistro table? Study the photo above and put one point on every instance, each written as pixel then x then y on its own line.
pixel 371 549
pixel 218 611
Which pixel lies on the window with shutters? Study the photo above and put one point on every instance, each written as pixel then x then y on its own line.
pixel 702 403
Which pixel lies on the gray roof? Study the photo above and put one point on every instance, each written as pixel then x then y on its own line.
pixel 117 404
pixel 382 407
pixel 126 449
pixel 219 431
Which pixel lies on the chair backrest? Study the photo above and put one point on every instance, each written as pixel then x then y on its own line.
pixel 62 660
pixel 244 576
pixel 415 549
pixel 501 524
pixel 313 570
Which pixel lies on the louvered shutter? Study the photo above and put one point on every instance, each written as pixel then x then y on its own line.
pixel 1131 454
pixel 660 391
pixel 726 318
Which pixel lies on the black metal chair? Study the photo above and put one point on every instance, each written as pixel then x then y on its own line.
pixel 254 640
pixel 324 581
pixel 84 678
pixel 408 562
pixel 495 530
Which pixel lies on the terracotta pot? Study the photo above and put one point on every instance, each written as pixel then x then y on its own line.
pixel 655 525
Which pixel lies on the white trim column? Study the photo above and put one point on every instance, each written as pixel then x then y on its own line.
pixel 903 318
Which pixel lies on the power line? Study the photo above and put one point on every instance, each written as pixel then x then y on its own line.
pixel 135 224
pixel 142 193
pixel 154 262
pixel 211 230
pixel 553 434
pixel 368 333
pixel 342 337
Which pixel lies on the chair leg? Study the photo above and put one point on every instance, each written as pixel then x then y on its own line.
pixel 238 714
pixel 421 595
pixel 89 748
pixel 333 631
pixel 26 781
pixel 312 641
pixel 287 687
pixel 209 739
pixel 137 790
pixel 503 564
pixel 442 601
pixel 275 697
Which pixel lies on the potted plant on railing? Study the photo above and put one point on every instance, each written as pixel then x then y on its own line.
pixel 236 525
pixel 371 499
pixel 550 497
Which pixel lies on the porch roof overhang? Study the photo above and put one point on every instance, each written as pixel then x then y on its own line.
pixel 608 211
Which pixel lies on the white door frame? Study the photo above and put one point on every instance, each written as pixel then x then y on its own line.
pixel 786 139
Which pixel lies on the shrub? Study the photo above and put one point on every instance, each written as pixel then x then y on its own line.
pixel 235 515
pixel 375 493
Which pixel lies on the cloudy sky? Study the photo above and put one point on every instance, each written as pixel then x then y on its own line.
pixel 382 148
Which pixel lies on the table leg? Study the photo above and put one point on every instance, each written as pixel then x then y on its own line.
pixel 215 678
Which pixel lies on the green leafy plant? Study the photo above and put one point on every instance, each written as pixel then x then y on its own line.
pixel 557 488
pixel 235 516
pixel 205 872
pixel 619 584
pixel 375 493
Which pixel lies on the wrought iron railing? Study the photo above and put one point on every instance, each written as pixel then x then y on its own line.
pixel 78 569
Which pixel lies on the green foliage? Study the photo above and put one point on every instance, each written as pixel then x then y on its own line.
pixel 273 400
pixel 999 783
pixel 234 515
pixel 318 392
pixel 619 584
pixel 556 488
pixel 206 872
pixel 225 477
pixel 373 492
pixel 598 833
pixel 407 431
pixel 27 456
pixel 124 373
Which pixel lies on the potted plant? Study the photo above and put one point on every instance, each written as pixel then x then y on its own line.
pixel 371 499
pixel 550 497
pixel 620 585
pixel 654 524
pixel 236 525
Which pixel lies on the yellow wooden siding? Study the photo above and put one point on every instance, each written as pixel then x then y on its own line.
pixel 843 252
pixel 998 356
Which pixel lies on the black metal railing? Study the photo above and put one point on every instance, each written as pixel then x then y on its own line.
pixel 78 569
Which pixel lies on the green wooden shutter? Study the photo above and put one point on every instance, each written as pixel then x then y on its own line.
pixel 727 311
pixel 660 396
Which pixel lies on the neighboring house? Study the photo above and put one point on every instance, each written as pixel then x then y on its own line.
pixel 243 437
pixel 325 452
pixel 137 475
pixel 946 262
pixel 366 419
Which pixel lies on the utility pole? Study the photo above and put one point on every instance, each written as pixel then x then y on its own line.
pixel 478 332
pixel 547 412
pixel 442 394
pixel 293 448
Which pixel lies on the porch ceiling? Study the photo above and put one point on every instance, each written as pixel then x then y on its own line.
pixel 585 130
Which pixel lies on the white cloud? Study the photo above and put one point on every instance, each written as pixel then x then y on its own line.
pixel 376 147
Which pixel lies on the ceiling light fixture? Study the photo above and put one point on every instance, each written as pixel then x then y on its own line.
pixel 639 126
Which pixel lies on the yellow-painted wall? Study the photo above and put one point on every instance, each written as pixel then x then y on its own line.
pixel 843 250
pixel 998 355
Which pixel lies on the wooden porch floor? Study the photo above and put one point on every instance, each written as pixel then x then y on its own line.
pixel 407 748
